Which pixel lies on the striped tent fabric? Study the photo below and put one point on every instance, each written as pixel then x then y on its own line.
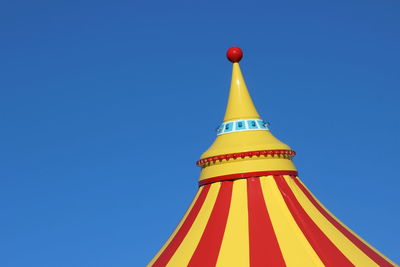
pixel 263 221
pixel 251 208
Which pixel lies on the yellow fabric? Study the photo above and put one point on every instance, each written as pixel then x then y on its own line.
pixel 255 164
pixel 188 246
pixel 349 250
pixel 176 229
pixel 235 243
pixel 240 105
pixel 296 249
pixel 244 141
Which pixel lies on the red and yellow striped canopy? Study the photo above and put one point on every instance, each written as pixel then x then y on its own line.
pixel 263 221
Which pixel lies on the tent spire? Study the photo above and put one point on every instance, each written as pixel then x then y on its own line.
pixel 240 105
pixel 243 131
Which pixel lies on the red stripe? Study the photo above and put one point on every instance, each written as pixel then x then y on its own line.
pixel 166 255
pixel 236 176
pixel 264 247
pixel 360 244
pixel 329 254
pixel 206 253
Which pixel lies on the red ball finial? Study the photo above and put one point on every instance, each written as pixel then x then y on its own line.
pixel 234 54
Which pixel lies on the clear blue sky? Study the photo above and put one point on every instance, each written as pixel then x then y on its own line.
pixel 106 105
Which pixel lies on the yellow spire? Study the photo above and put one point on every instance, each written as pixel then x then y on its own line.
pixel 240 105
pixel 243 131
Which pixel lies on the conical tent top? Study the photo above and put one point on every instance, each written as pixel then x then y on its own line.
pixel 243 131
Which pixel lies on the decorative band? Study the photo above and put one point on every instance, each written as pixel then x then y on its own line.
pixel 236 176
pixel 242 125
pixel 288 153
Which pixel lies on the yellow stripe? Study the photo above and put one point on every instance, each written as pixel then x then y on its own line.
pixel 176 229
pixel 351 251
pixel 235 244
pixel 294 245
pixel 186 249
pixel 345 226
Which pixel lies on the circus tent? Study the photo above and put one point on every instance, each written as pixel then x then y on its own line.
pixel 252 209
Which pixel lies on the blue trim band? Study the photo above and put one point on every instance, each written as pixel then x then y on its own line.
pixel 242 125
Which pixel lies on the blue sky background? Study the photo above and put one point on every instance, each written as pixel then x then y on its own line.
pixel 106 105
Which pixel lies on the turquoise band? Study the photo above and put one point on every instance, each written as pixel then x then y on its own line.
pixel 241 126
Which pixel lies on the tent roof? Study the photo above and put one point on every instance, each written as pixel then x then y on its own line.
pixel 251 208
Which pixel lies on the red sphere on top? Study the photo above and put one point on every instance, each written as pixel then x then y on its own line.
pixel 234 54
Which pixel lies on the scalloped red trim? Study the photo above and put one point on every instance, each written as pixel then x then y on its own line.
pixel 201 162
